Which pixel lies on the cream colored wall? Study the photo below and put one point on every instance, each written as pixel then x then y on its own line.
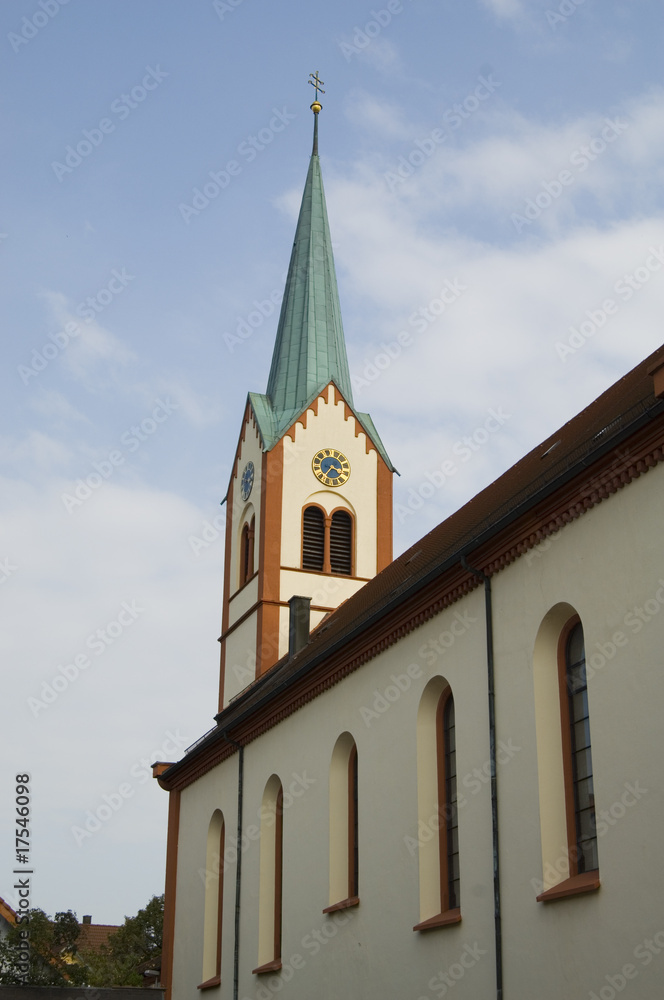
pixel 240 646
pixel 240 658
pixel 217 790
pixel 249 451
pixel 243 600
pixel 603 565
pixel 373 944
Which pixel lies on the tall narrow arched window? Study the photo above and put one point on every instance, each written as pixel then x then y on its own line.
pixel 577 755
pixel 214 896
pixel 448 834
pixel 570 863
pixel 341 542
pixel 344 826
pixel 353 828
pixel 247 551
pixel 313 538
pixel 438 852
pixel 270 879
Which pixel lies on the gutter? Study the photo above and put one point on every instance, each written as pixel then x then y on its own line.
pixel 400 595
pixel 238 866
pixel 497 920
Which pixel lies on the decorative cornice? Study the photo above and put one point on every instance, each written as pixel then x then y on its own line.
pixel 643 451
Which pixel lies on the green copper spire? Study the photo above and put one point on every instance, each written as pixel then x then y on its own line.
pixel 310 349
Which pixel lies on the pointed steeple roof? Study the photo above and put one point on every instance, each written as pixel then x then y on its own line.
pixel 310 349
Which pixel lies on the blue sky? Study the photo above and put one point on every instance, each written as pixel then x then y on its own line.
pixel 493 172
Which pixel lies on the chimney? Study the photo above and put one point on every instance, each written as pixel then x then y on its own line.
pixel 657 372
pixel 86 918
pixel 298 631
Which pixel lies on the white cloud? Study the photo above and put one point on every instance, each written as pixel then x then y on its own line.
pixel 73 576
pixel 523 293
pixel 90 344
pixel 54 405
pixel 504 8
pixel 35 451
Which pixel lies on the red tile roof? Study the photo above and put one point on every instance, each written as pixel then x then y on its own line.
pixel 93 936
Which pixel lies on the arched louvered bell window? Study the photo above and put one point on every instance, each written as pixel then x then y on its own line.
pixel 313 538
pixel 341 543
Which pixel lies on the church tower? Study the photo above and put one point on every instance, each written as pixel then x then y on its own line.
pixel 309 503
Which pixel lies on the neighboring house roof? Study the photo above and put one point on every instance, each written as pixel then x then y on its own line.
pixel 93 936
pixel 616 439
pixel 7 912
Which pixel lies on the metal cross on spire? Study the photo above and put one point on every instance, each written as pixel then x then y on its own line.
pixel 316 82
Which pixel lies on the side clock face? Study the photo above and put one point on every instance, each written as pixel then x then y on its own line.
pixel 247 481
pixel 331 467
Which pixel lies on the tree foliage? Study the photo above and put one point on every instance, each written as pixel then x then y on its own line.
pixel 56 958
pixel 135 947
pixel 42 952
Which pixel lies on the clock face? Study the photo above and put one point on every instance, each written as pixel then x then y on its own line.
pixel 247 481
pixel 331 467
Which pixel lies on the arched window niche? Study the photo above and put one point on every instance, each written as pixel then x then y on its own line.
pixel 214 893
pixel 564 758
pixel 344 829
pixel 270 878
pixel 246 548
pixel 438 855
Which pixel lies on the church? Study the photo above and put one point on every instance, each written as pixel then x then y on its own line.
pixel 436 775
